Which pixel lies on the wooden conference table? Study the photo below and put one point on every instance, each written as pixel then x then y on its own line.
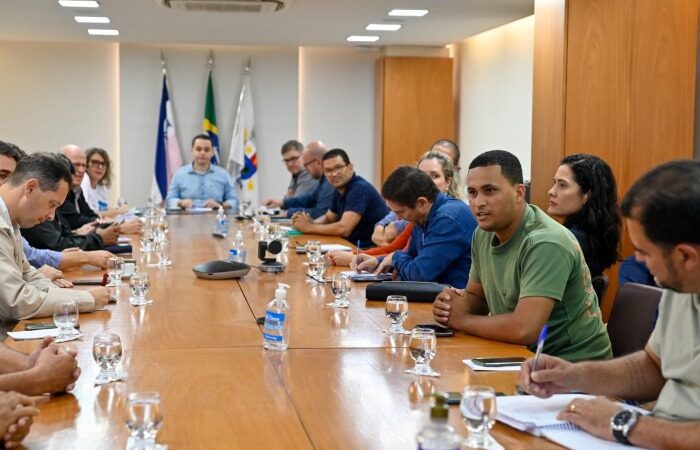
pixel 341 384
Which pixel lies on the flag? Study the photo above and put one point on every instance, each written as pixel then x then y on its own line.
pixel 168 155
pixel 242 159
pixel 209 122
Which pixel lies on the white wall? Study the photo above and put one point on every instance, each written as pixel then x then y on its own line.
pixel 274 79
pixel 496 92
pixel 54 94
pixel 337 105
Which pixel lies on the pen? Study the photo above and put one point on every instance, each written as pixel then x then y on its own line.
pixel 357 254
pixel 540 344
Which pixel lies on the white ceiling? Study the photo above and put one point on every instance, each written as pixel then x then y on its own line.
pixel 304 22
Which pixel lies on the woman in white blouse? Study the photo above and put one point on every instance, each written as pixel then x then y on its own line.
pixel 97 180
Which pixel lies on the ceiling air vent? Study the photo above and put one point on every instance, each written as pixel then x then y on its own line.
pixel 233 6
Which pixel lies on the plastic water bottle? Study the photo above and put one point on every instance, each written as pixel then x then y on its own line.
pixel 437 434
pixel 238 250
pixel 221 226
pixel 276 328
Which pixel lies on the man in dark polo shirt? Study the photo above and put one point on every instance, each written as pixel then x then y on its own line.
pixel 356 205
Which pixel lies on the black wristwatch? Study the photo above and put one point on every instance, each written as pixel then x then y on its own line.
pixel 622 424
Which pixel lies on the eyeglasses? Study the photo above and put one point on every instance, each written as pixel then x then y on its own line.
pixel 307 164
pixel 98 163
pixel 336 169
pixel 290 160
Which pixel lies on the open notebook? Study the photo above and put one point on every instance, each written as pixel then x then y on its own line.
pixel 538 416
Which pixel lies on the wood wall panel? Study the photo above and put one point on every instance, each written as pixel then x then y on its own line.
pixel 629 90
pixel 548 95
pixel 417 108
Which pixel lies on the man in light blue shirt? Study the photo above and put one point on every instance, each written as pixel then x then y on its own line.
pixel 201 184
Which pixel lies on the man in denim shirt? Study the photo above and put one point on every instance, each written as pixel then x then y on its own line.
pixel 440 248
pixel 201 184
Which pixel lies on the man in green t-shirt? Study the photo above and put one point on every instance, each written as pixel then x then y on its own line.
pixel 527 271
pixel 662 211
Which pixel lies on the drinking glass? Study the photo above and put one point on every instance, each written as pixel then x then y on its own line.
pixel 115 267
pixel 396 310
pixel 245 208
pixel 340 286
pixel 147 239
pixel 139 284
pixel 317 267
pixel 312 248
pixel 478 408
pixel 283 237
pixel 107 352
pixel 65 316
pixel 423 346
pixel 163 251
pixel 144 418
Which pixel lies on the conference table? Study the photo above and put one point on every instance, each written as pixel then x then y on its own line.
pixel 340 384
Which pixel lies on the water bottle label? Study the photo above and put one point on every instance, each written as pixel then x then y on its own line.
pixel 274 321
pixel 273 337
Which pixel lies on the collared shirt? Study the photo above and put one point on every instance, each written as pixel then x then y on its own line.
pixel 316 203
pixel 215 184
pixel 362 198
pixel 38 257
pixel 300 184
pixel 440 249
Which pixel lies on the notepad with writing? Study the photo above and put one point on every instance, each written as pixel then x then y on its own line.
pixel 539 417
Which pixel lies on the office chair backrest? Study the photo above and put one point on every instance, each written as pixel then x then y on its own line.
pixel 632 318
pixel 600 286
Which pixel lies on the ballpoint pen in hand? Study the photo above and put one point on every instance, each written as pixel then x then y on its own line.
pixel 357 255
pixel 540 345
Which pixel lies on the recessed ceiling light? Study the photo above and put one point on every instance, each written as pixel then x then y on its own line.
pixel 79 3
pixel 356 38
pixel 383 27
pixel 102 32
pixel 89 19
pixel 408 12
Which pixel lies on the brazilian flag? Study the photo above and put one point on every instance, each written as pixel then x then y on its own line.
pixel 209 122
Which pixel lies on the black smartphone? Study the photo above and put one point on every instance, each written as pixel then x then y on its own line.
pixel 453 398
pixel 499 362
pixel 440 331
pixel 218 235
pixel 88 282
pixel 260 320
pixel 43 326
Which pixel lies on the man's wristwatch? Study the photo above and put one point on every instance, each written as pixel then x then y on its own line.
pixel 622 424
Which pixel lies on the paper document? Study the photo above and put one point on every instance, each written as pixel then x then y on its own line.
pixel 325 248
pixel 480 368
pixel 39 334
pixel 539 417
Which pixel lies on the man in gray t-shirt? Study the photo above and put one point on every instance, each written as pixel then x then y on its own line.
pixel 302 182
pixel 662 211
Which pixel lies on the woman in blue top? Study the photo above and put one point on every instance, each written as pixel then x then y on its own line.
pixel 584 199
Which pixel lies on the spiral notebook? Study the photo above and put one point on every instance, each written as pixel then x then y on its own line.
pixel 539 417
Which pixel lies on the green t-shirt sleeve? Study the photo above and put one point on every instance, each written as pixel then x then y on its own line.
pixel 545 270
pixel 474 269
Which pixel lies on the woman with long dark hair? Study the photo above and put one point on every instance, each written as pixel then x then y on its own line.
pixel 584 199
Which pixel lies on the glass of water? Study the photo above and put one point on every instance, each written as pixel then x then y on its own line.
pixel 478 409
pixel 423 347
pixel 340 286
pixel 312 248
pixel 115 267
pixel 148 239
pixel 317 267
pixel 65 316
pixel 144 418
pixel 396 310
pixel 107 352
pixel 163 251
pixel 139 285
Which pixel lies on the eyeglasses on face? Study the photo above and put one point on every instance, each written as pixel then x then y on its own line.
pixel 95 163
pixel 307 164
pixel 290 160
pixel 336 169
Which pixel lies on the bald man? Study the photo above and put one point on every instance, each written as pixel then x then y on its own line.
pixel 318 201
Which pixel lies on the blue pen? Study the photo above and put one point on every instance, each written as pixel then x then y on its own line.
pixel 540 345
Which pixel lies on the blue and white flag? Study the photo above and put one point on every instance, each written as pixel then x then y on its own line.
pixel 168 154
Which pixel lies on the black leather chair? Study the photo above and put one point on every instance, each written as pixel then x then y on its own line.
pixel 632 317
pixel 600 286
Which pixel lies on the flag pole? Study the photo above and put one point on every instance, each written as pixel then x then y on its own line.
pixel 162 62
pixel 236 124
